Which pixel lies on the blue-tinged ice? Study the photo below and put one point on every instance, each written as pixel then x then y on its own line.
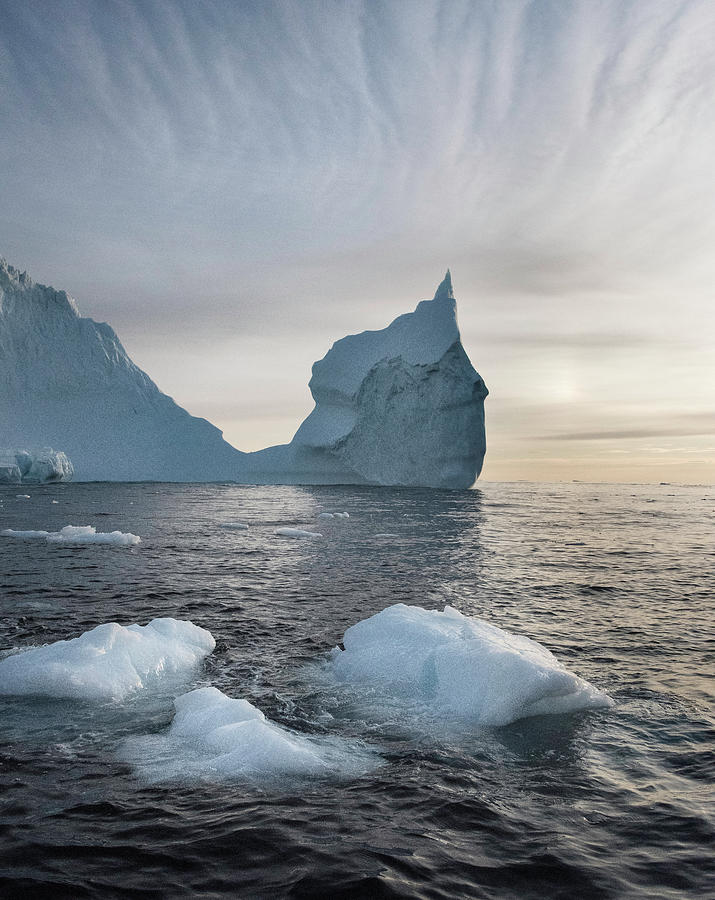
pixel 110 662
pixel 459 666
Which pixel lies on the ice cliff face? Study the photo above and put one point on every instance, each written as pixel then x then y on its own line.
pixel 400 406
pixel 66 380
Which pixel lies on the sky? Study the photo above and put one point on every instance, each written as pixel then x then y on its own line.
pixel 235 185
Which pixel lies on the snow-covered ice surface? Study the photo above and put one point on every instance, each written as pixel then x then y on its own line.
pixel 77 534
pixel 110 662
pixel 460 666
pixel 213 736
pixel 400 406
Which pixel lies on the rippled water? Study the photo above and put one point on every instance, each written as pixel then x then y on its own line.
pixel 616 580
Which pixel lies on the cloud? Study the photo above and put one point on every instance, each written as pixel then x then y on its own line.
pixel 683 426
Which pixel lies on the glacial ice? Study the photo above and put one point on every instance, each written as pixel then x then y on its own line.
pixel 77 534
pixel 297 533
pixel 234 526
pixel 400 406
pixel 110 662
pixel 459 667
pixel 67 381
pixel 216 736
pixel 44 466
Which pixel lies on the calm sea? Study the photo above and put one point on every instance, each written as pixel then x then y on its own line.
pixel 617 580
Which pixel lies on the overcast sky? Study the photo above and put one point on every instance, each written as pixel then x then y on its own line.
pixel 236 185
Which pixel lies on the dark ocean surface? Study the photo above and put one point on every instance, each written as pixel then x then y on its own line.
pixel 617 580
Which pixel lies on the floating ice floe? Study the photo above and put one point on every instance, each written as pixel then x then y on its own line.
pixel 326 515
pixel 386 534
pixel 54 501
pixel 333 515
pixel 22 496
pixel 297 533
pixel 77 534
pixel 459 666
pixel 216 736
pixel 109 662
pixel 234 526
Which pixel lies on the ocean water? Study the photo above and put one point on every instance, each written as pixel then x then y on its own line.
pixel 617 580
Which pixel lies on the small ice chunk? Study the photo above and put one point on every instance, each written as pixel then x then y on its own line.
pixel 341 515
pixel 22 496
pixel 109 662
pixel 87 534
pixel 213 735
pixel 234 526
pixel 11 532
pixel 54 501
pixel 386 534
pixel 78 534
pixel 325 515
pixel 297 533
pixel 460 666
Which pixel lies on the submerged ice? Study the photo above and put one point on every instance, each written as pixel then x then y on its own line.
pixel 216 736
pixel 459 666
pixel 110 662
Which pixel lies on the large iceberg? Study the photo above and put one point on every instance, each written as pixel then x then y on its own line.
pixel 216 736
pixel 458 666
pixel 110 662
pixel 44 466
pixel 400 406
pixel 67 381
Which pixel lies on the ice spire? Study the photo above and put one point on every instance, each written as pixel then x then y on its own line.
pixel 444 291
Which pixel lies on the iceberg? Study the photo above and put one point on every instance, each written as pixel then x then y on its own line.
pixel 110 662
pixel 398 406
pixel 45 466
pixel 216 736
pixel 401 406
pixel 458 666
pixel 67 381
